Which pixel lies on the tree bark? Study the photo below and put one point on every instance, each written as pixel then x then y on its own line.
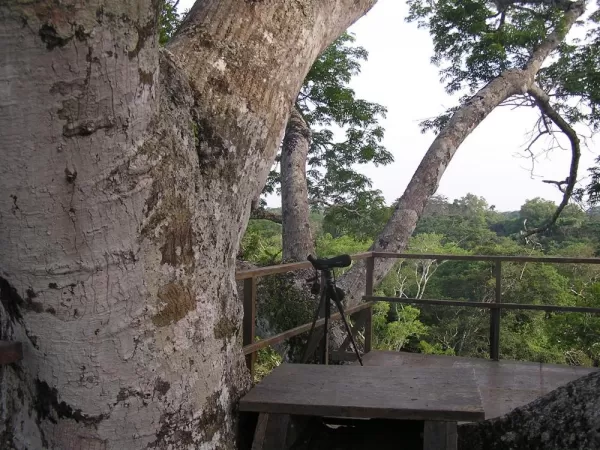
pixel 127 176
pixel 568 417
pixel 297 237
pixel 426 178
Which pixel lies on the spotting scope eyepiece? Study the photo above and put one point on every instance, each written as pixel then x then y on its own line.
pixel 330 263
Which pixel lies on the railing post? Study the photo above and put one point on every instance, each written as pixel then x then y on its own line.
pixel 249 322
pixel 495 315
pixel 370 263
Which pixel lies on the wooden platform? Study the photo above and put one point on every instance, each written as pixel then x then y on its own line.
pixel 368 392
pixel 433 398
pixel 504 385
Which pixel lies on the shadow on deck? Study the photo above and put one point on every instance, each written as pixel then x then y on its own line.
pixel 503 385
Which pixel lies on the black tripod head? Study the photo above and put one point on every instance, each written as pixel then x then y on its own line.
pixel 330 263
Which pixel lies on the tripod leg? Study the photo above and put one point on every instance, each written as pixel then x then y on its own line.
pixel 325 355
pixel 313 340
pixel 348 330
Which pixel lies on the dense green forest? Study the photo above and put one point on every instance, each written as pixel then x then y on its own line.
pixel 470 226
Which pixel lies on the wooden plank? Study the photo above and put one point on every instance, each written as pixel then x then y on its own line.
pixel 283 268
pixel 271 432
pixel 278 431
pixel 439 435
pixel 249 323
pixel 255 346
pixel 369 314
pixel 495 315
pixel 10 352
pixel 368 329
pixel 518 259
pixel 370 265
pixel 353 391
pixel 504 384
pixel 469 304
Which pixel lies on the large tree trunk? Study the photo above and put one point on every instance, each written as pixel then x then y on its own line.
pixel 425 181
pixel 126 187
pixel 297 237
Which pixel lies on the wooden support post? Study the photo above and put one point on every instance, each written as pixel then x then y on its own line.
pixel 368 328
pixel 439 435
pixel 370 263
pixel 249 322
pixel 278 431
pixel 495 315
pixel 369 312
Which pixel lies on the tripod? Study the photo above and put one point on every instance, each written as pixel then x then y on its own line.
pixel 329 292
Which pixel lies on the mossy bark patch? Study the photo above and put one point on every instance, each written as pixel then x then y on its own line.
pixel 177 301
pixel 225 328
pixel 179 239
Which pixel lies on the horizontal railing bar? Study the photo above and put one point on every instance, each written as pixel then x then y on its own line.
pixel 283 268
pixel 290 267
pixel 468 304
pixel 519 259
pixel 248 349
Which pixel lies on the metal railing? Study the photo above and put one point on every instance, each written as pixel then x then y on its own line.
pixel 362 314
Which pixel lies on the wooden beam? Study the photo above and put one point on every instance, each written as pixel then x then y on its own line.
pixel 495 315
pixel 10 352
pixel 468 304
pixel 370 263
pixel 439 435
pixel 368 329
pixel 283 268
pixel 249 323
pixel 255 346
pixel 271 432
pixel 517 259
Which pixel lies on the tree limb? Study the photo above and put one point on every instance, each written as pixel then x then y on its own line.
pixel 425 181
pixel 263 214
pixel 542 100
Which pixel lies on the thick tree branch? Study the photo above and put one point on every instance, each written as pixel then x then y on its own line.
pixel 263 214
pixel 296 237
pixel 256 71
pixel 426 179
pixel 542 100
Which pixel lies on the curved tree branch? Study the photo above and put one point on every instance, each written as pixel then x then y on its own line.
pixel 542 100
pixel 425 181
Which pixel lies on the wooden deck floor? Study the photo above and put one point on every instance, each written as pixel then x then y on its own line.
pixel 504 385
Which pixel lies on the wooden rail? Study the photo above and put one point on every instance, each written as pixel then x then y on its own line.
pixel 363 312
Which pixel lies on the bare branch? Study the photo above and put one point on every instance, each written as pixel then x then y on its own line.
pixel 543 101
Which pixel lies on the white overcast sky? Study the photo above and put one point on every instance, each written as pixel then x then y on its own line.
pixel 400 76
